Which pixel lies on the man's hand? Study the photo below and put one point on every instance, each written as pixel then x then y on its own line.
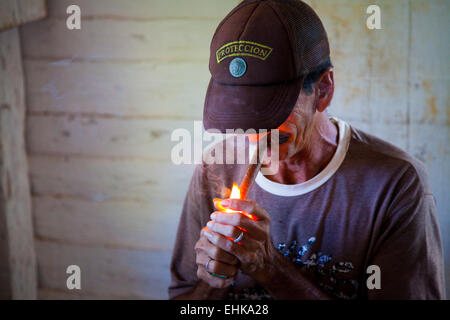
pixel 220 262
pixel 255 250
pixel 257 256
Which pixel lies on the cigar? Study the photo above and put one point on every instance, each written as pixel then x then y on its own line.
pixel 253 169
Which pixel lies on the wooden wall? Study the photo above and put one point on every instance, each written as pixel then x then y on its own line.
pixel 394 82
pixel 18 278
pixel 102 102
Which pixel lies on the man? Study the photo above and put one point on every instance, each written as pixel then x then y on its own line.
pixel 342 202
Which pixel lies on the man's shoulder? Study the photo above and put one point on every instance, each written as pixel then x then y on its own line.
pixel 382 155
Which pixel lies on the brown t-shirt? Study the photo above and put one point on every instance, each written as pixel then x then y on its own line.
pixel 371 205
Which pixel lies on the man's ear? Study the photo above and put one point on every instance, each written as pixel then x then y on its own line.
pixel 325 86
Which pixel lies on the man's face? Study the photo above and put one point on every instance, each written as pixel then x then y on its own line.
pixel 298 126
pixel 296 131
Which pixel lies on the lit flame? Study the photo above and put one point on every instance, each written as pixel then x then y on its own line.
pixel 235 194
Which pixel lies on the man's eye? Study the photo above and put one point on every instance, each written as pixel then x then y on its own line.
pixel 283 137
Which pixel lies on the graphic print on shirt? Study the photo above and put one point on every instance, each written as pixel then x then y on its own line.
pixel 320 268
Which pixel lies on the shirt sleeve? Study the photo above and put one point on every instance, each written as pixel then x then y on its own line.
pixel 194 215
pixel 409 248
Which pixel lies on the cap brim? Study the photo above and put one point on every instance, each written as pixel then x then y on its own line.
pixel 249 107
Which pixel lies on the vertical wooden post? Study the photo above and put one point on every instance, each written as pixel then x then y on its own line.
pixel 18 278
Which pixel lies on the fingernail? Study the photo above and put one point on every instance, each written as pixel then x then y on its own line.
pixel 209 224
pixel 212 216
pixel 225 203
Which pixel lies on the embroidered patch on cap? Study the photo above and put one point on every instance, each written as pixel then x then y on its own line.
pixel 237 67
pixel 243 48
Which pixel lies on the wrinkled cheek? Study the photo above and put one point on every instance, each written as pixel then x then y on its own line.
pixel 292 150
pixel 283 151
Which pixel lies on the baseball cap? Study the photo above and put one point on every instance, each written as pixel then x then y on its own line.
pixel 260 54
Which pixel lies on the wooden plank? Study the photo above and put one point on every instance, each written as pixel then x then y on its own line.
pixel 370 65
pixel 158 89
pixel 14 13
pixel 429 94
pixel 106 179
pixel 112 224
pixel 394 133
pixel 388 65
pixel 104 271
pixel 5 281
pixel 94 136
pixel 16 248
pixel 429 98
pixel 344 22
pixel 99 40
pixel 144 9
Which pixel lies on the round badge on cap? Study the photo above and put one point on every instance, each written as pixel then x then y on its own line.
pixel 238 67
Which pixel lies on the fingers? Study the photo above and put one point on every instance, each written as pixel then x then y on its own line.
pixel 217 204
pixel 237 250
pixel 222 242
pixel 226 230
pixel 215 266
pixel 248 206
pixel 214 252
pixel 254 229
pixel 205 250
pixel 213 281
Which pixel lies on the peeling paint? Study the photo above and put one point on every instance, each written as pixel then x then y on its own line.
pixel 432 112
pixel 157 133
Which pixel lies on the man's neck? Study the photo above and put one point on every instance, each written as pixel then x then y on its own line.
pixel 307 163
